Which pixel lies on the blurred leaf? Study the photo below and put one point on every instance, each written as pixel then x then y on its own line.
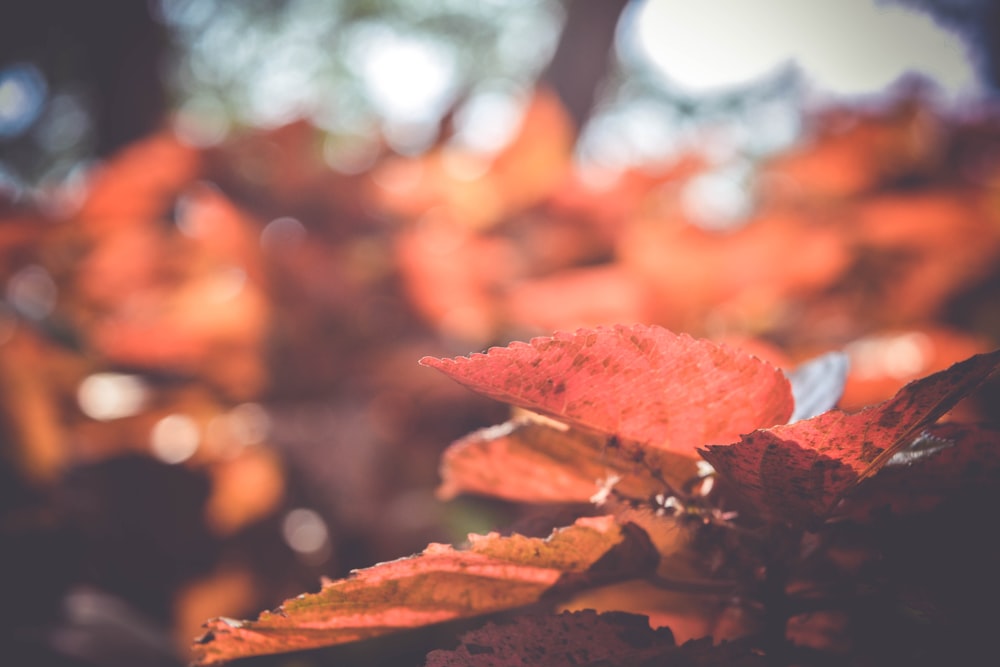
pixel 883 362
pixel 818 384
pixel 476 189
pixel 753 272
pixel 590 296
pixel 138 184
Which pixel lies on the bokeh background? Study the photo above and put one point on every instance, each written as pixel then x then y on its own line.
pixel 229 230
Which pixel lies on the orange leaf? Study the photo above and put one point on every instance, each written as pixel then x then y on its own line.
pixel 641 383
pixel 440 584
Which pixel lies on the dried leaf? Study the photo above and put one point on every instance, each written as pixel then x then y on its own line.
pixel 530 461
pixel 641 383
pixel 944 460
pixel 440 584
pixel 798 472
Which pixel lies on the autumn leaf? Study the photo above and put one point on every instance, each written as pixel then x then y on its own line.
pixel 525 460
pixel 943 461
pixel 588 296
pixel 639 383
pixel 798 472
pixel 440 584
pixel 693 273
pixel 876 373
pixel 138 183
pixel 839 163
pixel 818 384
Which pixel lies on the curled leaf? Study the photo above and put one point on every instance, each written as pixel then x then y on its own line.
pixel 944 461
pixel 440 584
pixel 641 383
pixel 798 472
pixel 525 460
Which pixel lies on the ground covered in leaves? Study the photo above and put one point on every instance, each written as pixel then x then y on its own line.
pixel 211 395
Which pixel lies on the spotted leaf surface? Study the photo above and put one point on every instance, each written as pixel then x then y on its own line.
pixel 945 460
pixel 641 383
pixel 798 472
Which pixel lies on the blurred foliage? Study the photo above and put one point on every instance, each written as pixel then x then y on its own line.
pixel 242 323
pixel 268 63
pixel 198 340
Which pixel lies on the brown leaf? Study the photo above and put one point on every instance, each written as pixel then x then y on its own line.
pixel 613 639
pixel 526 460
pixel 798 472
pixel 945 460
pixel 440 584
pixel 641 383
pixel 569 638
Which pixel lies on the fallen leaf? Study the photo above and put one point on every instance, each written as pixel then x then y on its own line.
pixel 938 241
pixel 451 275
pixel 440 584
pixel 749 275
pixel 138 184
pixel 798 472
pixel 639 383
pixel 945 460
pixel 246 488
pixel 853 151
pixel 589 296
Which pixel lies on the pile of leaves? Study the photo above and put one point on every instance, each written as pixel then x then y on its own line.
pixel 812 535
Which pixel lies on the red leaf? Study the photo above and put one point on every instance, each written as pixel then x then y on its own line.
pixel 641 383
pixel 798 472
pixel 440 584
pixel 947 459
